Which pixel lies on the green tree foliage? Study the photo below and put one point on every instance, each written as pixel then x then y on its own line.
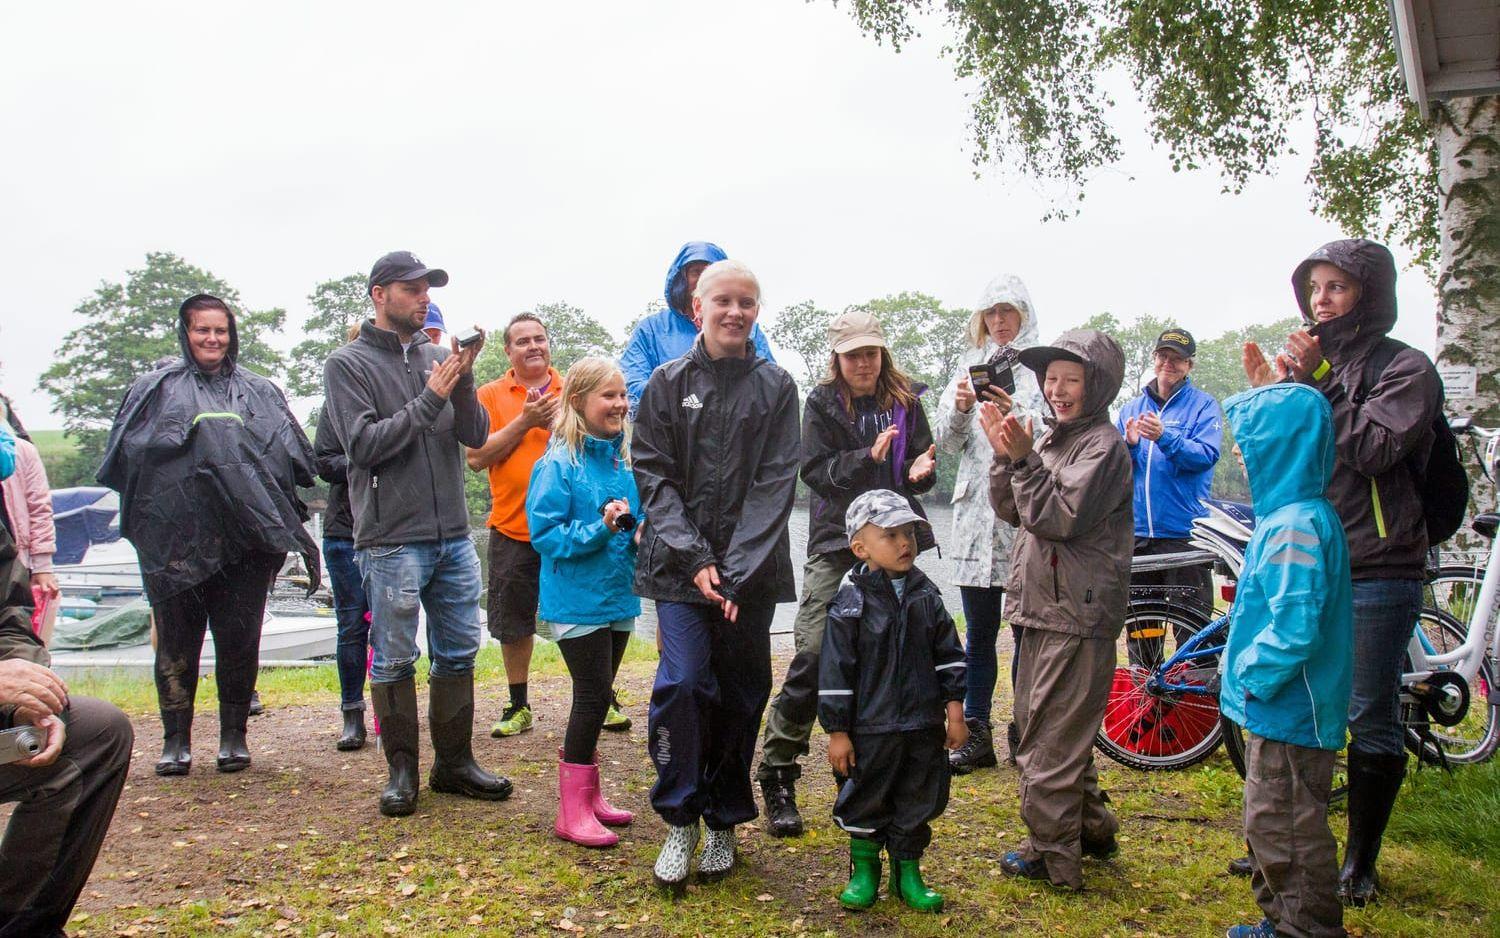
pixel 652 308
pixel 572 334
pixel 802 329
pixel 337 305
pixel 128 327
pixel 1138 341
pixel 1225 84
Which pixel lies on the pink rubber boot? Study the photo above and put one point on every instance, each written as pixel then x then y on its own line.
pixel 603 810
pixel 577 787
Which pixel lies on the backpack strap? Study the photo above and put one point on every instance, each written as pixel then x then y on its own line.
pixel 1381 356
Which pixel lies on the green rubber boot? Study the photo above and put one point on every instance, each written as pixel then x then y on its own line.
pixel 906 883
pixel 864 875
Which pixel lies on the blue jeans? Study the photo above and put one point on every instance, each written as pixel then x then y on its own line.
pixel 983 606
pixel 443 578
pixel 1385 613
pixel 349 607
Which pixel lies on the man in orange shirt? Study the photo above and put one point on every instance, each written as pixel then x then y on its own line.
pixel 522 405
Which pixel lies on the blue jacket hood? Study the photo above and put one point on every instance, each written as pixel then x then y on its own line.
pixel 692 251
pixel 1285 434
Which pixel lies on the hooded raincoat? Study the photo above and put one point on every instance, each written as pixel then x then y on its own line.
pixel 1071 499
pixel 1373 488
pixel 981 546
pixel 668 334
pixel 207 467
pixel 586 568
pixel 1289 661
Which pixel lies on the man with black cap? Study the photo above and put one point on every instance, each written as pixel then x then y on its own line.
pixel 1174 430
pixel 401 407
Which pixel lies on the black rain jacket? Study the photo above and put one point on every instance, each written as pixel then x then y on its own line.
pixel 715 453
pixel 1374 490
pixel 837 466
pixel 888 665
pixel 333 468
pixel 207 467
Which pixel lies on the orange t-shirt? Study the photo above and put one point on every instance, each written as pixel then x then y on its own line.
pixel 503 398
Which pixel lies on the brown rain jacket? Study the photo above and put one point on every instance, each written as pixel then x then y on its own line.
pixel 1071 500
pixel 1380 442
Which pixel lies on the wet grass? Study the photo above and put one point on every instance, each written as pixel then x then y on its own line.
pixel 466 868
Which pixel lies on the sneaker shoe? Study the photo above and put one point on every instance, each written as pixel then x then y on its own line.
pixel 1100 849
pixel 1264 930
pixel 718 855
pixel 672 864
pixel 1013 864
pixel 977 753
pixel 615 719
pixel 513 722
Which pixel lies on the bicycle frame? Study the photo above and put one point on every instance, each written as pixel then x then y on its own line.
pixel 1481 637
pixel 1192 650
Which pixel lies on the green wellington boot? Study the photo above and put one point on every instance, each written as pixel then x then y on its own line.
pixel 864 875
pixel 906 884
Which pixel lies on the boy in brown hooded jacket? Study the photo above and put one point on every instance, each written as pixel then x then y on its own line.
pixel 1070 495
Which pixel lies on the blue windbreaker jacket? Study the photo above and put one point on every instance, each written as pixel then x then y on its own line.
pixel 1290 656
pixel 586 568
pixel 1174 474
pixel 667 335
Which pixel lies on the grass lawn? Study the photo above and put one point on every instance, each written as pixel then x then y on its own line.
pixel 294 845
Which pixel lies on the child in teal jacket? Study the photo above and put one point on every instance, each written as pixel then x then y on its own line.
pixel 1289 660
pixel 582 508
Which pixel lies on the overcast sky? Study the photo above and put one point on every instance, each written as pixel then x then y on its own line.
pixel 563 151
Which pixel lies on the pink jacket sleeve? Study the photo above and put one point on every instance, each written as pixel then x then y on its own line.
pixel 36 536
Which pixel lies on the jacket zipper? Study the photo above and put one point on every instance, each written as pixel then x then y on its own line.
pixel 375 494
pixel 1056 590
pixel 1150 451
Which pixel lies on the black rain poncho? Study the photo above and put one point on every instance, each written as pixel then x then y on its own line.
pixel 207 467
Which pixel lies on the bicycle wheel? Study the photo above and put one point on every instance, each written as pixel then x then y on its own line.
pixel 1453 591
pixel 1474 738
pixel 1167 730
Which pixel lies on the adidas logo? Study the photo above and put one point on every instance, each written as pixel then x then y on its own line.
pixel 691 402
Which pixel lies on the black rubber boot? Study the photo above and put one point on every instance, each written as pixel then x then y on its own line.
pixel 396 708
pixel 354 731
pixel 779 789
pixel 234 755
pixel 977 753
pixel 1241 866
pixel 256 708
pixel 177 743
pixel 1374 782
pixel 450 716
pixel 1012 742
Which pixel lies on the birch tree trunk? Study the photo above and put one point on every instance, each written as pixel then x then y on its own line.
pixel 1468 328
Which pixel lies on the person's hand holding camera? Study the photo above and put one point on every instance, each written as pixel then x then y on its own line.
pixel 614 510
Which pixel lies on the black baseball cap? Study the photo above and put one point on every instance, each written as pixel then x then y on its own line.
pixel 404 265
pixel 1179 341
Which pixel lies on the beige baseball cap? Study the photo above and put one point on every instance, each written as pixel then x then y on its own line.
pixel 855 328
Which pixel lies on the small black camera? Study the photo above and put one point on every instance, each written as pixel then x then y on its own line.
pixel 625 522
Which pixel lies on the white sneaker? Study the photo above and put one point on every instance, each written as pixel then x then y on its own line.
pixel 671 870
pixel 718 854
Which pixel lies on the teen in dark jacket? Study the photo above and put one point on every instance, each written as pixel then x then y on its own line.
pixel 863 428
pixel 1382 435
pixel 715 458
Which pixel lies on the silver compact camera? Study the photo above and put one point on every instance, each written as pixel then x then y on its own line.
pixel 21 742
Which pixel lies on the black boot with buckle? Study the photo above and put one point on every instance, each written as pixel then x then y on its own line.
pixel 779 789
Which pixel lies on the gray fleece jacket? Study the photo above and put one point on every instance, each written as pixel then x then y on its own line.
pixel 406 467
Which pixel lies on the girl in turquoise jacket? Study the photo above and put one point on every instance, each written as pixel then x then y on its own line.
pixel 1289 659
pixel 582 507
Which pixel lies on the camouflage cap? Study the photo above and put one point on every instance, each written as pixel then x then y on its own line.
pixel 880 507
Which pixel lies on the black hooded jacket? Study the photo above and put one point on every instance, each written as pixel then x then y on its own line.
pixel 1373 488
pixel 333 468
pixel 888 665
pixel 207 467
pixel 715 457
pixel 837 466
